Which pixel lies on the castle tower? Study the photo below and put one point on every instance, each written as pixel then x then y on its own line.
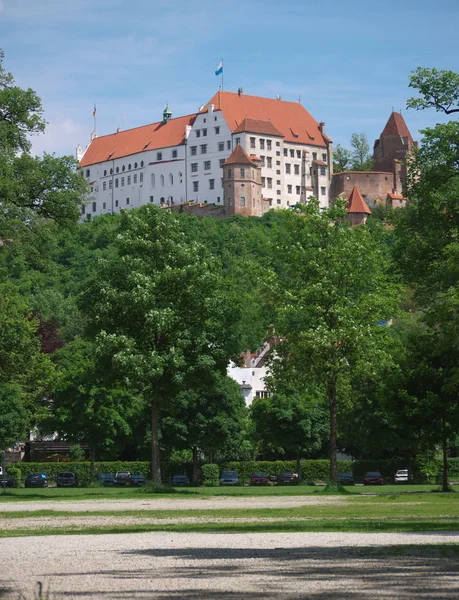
pixel 242 184
pixel 394 143
pixel 167 115
pixel 357 208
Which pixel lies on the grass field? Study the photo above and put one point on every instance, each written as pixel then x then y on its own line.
pixel 53 493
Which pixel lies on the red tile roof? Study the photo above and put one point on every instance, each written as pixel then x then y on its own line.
pixel 291 119
pixel 356 204
pixel 396 126
pixel 139 139
pixel 239 157
pixel 258 126
pixel 396 196
pixel 321 163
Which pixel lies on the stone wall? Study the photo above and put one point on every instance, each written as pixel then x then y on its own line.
pixel 374 186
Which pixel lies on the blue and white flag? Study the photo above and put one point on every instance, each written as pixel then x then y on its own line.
pixel 219 69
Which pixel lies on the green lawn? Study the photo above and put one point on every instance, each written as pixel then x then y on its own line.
pixel 113 493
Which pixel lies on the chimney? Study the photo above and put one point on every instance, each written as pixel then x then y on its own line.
pixel 118 129
pixel 240 91
pixel 211 108
pixel 322 127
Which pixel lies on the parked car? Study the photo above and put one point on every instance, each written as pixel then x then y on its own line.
pixel 36 480
pixel 180 480
pixel 66 479
pixel 401 475
pixel 229 478
pixel 137 479
pixel 273 478
pixel 106 479
pixel 6 481
pixel 259 479
pixel 123 478
pixel 346 478
pixel 373 478
pixel 287 478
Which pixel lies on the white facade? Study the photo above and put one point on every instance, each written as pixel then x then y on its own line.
pixel 251 381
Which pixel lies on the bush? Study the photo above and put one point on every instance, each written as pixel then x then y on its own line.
pixel 15 473
pixel 210 474
pixel 81 469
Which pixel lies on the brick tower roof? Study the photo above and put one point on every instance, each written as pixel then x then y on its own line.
pixel 356 204
pixel 396 126
pixel 239 157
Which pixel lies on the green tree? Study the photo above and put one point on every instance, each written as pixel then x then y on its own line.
pixel 160 322
pixel 342 158
pixel 13 416
pixel 334 290
pixel 439 89
pixel 361 157
pixel 82 409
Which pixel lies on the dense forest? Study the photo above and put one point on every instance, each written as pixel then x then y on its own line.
pixel 116 333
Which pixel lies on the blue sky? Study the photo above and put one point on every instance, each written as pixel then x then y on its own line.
pixel 349 61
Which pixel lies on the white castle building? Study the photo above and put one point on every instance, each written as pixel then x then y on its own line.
pixel 180 159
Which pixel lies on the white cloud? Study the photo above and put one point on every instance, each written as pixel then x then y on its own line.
pixel 2 5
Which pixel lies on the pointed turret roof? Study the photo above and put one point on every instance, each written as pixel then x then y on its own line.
pixel 396 126
pixel 239 157
pixel 356 204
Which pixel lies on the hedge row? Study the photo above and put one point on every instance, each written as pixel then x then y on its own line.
pixel 317 470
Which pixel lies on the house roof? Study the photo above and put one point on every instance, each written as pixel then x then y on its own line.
pixel 258 126
pixel 356 204
pixel 140 139
pixel 396 126
pixel 396 196
pixel 239 157
pixel 291 119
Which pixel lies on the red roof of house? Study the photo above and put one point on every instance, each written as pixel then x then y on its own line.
pixel 321 163
pixel 396 126
pixel 139 139
pixel 356 204
pixel 239 157
pixel 258 126
pixel 291 119
pixel 396 196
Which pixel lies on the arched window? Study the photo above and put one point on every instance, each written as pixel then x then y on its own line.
pixel 111 171
pixel 105 172
pixel 171 179
pixel 153 180
pixel 142 163
pixel 129 166
pixel 123 168
pixel 135 165
pixel 162 180
pixel 117 169
pixel 162 200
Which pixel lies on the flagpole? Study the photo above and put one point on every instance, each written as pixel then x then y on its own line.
pixel 94 115
pixel 222 74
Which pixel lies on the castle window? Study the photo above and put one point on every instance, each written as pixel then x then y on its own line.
pixel 135 164
pixel 162 200
pixel 207 165
pixel 198 133
pixel 262 161
pixel 117 169
pixel 194 167
pixel 142 163
pixel 171 179
pixel 217 130
pixel 298 190
pixel 135 177
pixel 159 156
pixel 105 172
pixel 129 180
pixel 324 157
pixel 153 180
pixel 174 153
pixel 123 168
pixel 204 149
pixel 268 144
pixel 323 171
pixel 238 140
pixel 116 203
pixel 263 181
pixel 252 142
pixel 194 150
pixel 285 152
pixel 279 201
pixel 162 180
pixel 228 145
pixel 278 192
pixel 269 161
pixel 204 132
pixel 262 144
pixel 129 166
pixel 141 177
pixel 292 153
pixel 322 191
pixel 229 173
pixel 116 182
pixel 110 184
pixel 88 172
pixel 211 184
pixel 94 207
pixel 289 189
pixel 242 201
pixel 288 168
pixel 270 182
pixel 83 209
pixel 242 173
pixel 278 182
pixel 195 186
pixel 314 156
pixel 151 199
pixel 111 171
pixel 127 200
pixel 278 153
pixel 104 186
pixel 277 144
pixel 122 181
pixel 104 205
pixel 221 146
pixel 297 169
pixel 222 162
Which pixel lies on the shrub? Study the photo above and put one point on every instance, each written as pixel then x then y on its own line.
pixel 15 473
pixel 81 469
pixel 210 473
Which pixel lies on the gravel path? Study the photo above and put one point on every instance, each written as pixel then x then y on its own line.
pixel 227 566
pixel 148 503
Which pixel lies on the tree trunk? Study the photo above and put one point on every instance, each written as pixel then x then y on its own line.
pixel 298 468
pixel 444 486
pixel 92 460
pixel 195 475
pixel 332 408
pixel 155 465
